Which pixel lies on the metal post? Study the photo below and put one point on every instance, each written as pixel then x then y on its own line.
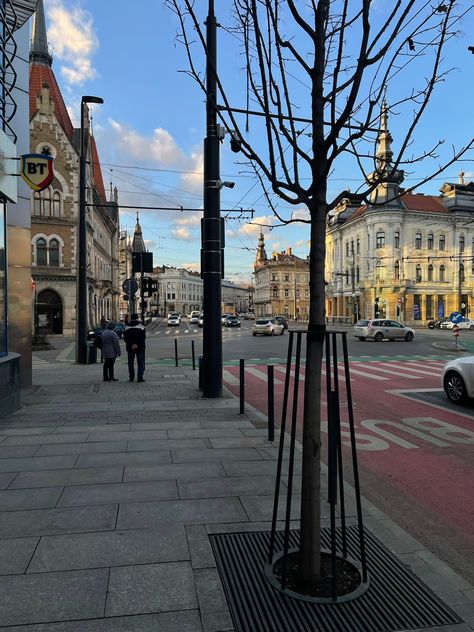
pixel 193 355
pixel 271 403
pixel 142 290
pixel 242 386
pixel 211 225
pixel 176 351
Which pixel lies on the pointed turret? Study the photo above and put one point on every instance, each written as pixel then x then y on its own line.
pixel 386 178
pixel 261 256
pixel 138 245
pixel 39 52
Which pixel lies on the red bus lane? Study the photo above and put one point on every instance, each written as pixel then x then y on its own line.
pixel 415 457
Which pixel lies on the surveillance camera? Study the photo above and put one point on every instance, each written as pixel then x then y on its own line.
pixel 229 185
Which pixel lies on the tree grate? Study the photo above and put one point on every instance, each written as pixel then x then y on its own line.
pixel 396 599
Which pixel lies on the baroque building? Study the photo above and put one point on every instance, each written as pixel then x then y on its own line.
pixel 403 256
pixel 281 283
pixel 54 211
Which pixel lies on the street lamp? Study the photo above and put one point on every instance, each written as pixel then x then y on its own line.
pixel 81 292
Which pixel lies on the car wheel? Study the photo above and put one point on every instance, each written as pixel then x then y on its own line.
pixel 361 338
pixel 409 337
pixel 455 388
pixel 471 328
pixel 273 332
pixel 431 326
pixel 378 336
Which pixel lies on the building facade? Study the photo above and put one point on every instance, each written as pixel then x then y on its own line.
pixel 54 211
pixel 179 290
pixel 404 256
pixel 281 284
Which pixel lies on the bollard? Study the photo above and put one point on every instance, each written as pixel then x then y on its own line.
pixel 200 364
pixel 242 386
pixel 176 351
pixel 192 355
pixel 271 403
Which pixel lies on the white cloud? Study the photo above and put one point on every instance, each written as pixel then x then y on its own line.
pixel 160 148
pixel 301 213
pixel 182 234
pixel 71 34
pixel 190 219
pixel 258 225
pixel 194 267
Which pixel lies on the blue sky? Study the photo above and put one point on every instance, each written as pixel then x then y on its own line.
pixel 150 128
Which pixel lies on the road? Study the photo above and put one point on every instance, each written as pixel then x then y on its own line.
pixel 415 448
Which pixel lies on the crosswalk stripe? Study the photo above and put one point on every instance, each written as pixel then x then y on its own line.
pixel 230 378
pixel 378 368
pixel 404 368
pixel 261 375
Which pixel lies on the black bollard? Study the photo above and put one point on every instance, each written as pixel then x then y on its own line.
pixel 242 386
pixel 271 403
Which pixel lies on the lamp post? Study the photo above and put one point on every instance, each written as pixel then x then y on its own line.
pixel 81 292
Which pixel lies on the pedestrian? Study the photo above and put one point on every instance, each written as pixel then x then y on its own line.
pixel 134 337
pixel 110 351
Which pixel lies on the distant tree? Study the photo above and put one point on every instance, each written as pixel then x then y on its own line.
pixel 318 74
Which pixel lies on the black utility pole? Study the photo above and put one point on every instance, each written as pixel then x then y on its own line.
pixel 142 290
pixel 81 290
pixel 211 226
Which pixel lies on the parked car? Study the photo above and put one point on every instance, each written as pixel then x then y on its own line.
pixel 432 324
pixel 283 320
pixel 465 323
pixel 194 318
pixel 232 321
pixel 457 379
pixel 119 329
pixel 267 327
pixel 379 329
pixel 201 320
pixel 174 320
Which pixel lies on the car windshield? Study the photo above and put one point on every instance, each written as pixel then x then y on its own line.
pixel 362 323
pixel 263 321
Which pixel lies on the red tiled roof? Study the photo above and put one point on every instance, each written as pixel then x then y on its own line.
pixel 39 75
pixel 423 203
pixel 97 171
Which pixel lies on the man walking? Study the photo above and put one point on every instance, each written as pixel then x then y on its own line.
pixel 110 350
pixel 134 337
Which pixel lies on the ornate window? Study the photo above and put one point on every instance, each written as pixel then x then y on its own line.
pixel 430 242
pixel 56 204
pixel 418 241
pixel 442 242
pixel 396 240
pixel 54 252
pixel 461 243
pixel 358 246
pixel 430 272
pixel 41 252
pixel 275 291
pixel 397 270
pixel 442 273
pixel 380 240
pixel 418 273
pixel 36 204
pixel 47 203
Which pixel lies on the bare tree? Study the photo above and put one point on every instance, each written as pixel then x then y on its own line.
pixel 317 77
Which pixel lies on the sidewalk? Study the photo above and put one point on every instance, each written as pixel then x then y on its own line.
pixel 110 491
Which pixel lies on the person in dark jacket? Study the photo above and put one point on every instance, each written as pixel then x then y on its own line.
pixel 110 351
pixel 134 337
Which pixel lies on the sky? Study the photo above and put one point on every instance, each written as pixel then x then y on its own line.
pixel 150 129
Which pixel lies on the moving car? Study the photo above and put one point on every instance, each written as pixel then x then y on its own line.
pixel 457 379
pixel 267 327
pixel 380 329
pixel 224 317
pixel 283 320
pixel 465 323
pixel 249 316
pixel 175 315
pixel 232 321
pixel 194 317
pixel 174 320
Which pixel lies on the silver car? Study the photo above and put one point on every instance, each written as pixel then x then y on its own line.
pixel 457 379
pixel 267 327
pixel 380 329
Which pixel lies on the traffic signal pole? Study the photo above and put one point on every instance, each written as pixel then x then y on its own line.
pixel 211 226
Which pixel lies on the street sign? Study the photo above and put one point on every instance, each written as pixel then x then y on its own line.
pixel 455 317
pixel 130 286
pixel 455 331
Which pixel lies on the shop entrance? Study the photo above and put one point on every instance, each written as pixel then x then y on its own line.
pixel 49 313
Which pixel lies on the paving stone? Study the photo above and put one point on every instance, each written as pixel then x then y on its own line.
pixel 272 453
pixel 124 458
pixel 199 547
pixel 166 444
pixel 240 454
pixel 37 463
pixel 209 590
pixel 186 621
pixel 151 514
pixel 240 442
pixel 26 430
pixel 129 436
pixel 82 448
pixel 217 622
pixel 42 498
pixel 97 427
pixel 52 596
pixel 255 468
pixel 151 588
pixel 49 521
pixel 206 433
pixel 81 476
pixel 179 425
pixel 6 478
pixel 167 543
pixel 15 555
pixel 172 471
pixel 233 486
pixel 260 508
pixel 117 493
pixel 47 439
pixel 13 451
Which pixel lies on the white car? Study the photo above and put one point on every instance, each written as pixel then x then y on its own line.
pixel 267 327
pixel 465 323
pixel 174 320
pixel 194 318
pixel 380 329
pixel 457 379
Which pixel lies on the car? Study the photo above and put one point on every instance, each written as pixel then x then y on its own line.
pixel 119 329
pixel 201 320
pixel 194 318
pixel 283 320
pixel 173 320
pixel 432 324
pixel 232 321
pixel 464 323
pixel 175 315
pixel 457 379
pixel 380 329
pixel 267 327
pixel 249 316
pixel 224 317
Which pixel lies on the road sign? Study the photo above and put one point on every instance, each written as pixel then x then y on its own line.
pixel 130 286
pixel 455 317
pixel 455 330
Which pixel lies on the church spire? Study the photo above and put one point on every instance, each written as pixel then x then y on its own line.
pixel 138 245
pixel 261 256
pixel 39 52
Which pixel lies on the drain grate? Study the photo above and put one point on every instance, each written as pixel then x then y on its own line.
pixel 395 600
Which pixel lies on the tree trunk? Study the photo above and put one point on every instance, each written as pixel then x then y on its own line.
pixel 310 544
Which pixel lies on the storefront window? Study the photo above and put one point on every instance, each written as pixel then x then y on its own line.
pixel 3 287
pixel 417 307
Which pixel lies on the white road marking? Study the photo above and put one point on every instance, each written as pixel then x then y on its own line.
pixel 378 368
pixel 230 378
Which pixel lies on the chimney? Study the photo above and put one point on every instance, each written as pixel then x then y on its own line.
pixel 288 251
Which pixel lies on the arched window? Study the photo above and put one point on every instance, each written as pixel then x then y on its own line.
pixel 418 273
pixel 56 204
pixel 442 273
pixel 36 204
pixel 397 270
pixel 47 203
pixel 442 242
pixel 430 242
pixel 418 241
pixel 54 252
pixel 430 272
pixel 41 253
